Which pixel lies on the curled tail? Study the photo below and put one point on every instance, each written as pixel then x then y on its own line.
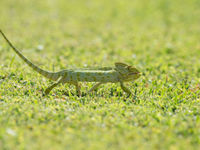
pixel 50 75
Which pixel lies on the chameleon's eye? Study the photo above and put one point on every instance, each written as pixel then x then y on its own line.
pixel 132 69
pixel 129 68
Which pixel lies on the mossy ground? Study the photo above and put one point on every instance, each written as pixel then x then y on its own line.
pixel 160 38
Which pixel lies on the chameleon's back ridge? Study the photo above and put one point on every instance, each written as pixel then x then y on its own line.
pixel 120 73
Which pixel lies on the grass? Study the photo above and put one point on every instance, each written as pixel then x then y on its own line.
pixel 160 37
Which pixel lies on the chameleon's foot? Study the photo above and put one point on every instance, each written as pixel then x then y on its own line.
pixel 125 89
pixel 78 93
pixel 47 91
pixel 128 95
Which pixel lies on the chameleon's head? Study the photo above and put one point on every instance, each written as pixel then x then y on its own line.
pixel 127 73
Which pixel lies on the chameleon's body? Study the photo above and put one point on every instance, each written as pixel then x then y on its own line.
pixel 120 73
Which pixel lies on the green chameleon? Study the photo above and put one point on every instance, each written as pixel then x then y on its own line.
pixel 120 73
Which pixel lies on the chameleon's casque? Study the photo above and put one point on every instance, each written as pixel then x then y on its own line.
pixel 120 73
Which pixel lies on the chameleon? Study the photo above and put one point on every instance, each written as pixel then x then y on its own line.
pixel 120 73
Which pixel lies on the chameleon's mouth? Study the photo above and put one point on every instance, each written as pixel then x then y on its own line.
pixel 135 73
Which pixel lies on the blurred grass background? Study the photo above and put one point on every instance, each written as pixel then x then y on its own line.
pixel 159 37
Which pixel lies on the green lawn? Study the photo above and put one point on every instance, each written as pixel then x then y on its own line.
pixel 160 37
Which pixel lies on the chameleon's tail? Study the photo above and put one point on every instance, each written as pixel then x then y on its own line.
pixel 47 74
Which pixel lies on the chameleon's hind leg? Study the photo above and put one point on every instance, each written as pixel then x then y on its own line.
pixel 95 87
pixel 78 88
pixel 48 90
pixel 125 89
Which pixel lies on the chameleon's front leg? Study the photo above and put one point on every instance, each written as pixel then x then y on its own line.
pixel 125 89
pixel 94 87
pixel 48 90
